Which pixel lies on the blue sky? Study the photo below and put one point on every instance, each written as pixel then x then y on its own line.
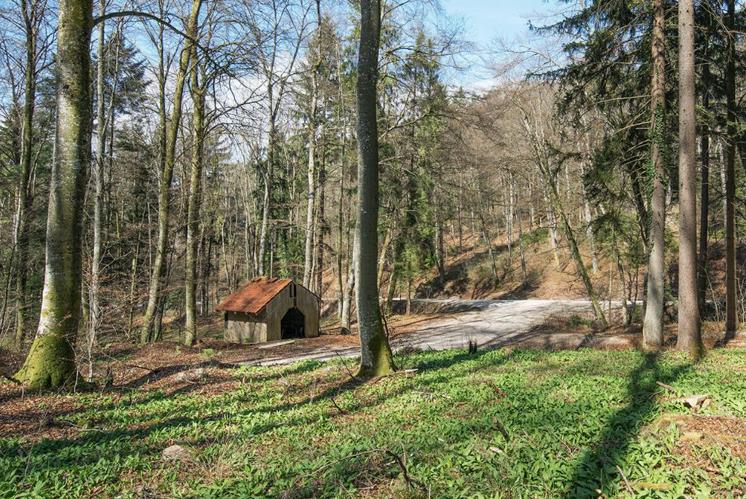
pixel 486 21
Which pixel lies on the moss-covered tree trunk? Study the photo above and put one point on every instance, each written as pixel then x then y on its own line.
pixel 652 331
pixel 375 353
pixel 51 360
pixel 148 332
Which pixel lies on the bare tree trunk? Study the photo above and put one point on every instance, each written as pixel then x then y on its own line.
pixel 704 213
pixel 248 234
pixel 587 213
pixel 312 130
pixel 459 218
pixel 554 239
pixel 321 229
pixel 266 205
pixel 156 277
pixel 272 253
pixel 731 319
pixel 531 204
pixel 346 314
pixel 311 199
pixel 521 249
pixel 6 287
pixel 690 338
pixel 51 360
pixel 627 309
pixel 393 276
pixel 440 247
pixel 98 199
pixel 488 242
pixel 652 330
pixel 30 13
pixel 723 180
pixel 133 284
pixel 589 234
pixel 509 210
pixel 376 358
pixel 194 201
pixel 577 257
pixel 384 252
pixel 206 278
pixel 276 86
pixel 341 231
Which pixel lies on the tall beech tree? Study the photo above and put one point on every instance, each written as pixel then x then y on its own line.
pixel 312 132
pixel 652 330
pixel 375 352
pixel 194 202
pixel 202 77
pixel 149 327
pixel 690 338
pixel 98 196
pixel 51 360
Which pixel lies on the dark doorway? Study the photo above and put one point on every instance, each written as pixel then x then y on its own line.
pixel 292 324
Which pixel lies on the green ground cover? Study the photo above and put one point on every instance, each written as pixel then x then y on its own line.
pixel 493 424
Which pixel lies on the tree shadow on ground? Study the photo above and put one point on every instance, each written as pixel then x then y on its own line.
pixel 135 392
pixel 163 372
pixel 422 368
pixel 599 464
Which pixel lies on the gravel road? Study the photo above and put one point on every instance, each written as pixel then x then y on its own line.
pixel 489 323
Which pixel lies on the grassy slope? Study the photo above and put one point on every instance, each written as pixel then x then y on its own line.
pixel 309 430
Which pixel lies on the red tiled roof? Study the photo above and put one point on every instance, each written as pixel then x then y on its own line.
pixel 253 296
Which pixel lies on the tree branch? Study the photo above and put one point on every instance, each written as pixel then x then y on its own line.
pixel 153 17
pixel 146 15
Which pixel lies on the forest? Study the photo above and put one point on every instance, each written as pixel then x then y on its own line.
pixel 530 287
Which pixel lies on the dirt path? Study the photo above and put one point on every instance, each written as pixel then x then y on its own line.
pixel 489 323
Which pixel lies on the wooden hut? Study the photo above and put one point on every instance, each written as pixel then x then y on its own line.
pixel 270 309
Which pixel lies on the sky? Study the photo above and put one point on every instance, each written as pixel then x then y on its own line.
pixel 487 21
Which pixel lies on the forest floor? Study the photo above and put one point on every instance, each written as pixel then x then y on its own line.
pixel 502 422
pixel 549 406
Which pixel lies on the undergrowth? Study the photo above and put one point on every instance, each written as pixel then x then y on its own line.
pixel 498 423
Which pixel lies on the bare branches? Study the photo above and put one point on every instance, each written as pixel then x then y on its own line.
pixel 409 479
